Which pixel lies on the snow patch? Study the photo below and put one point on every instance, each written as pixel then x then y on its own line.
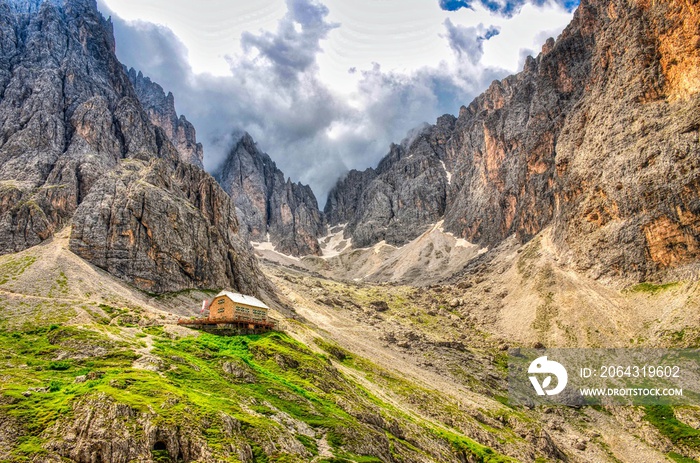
pixel 263 246
pixel 269 247
pixel 447 172
pixel 334 243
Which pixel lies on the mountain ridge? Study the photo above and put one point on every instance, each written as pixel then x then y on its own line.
pixel 521 154
pixel 161 110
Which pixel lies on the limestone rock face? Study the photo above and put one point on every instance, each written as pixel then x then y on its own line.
pixel 345 196
pixel 597 136
pixel 406 193
pixel 161 111
pixel 627 166
pixel 284 213
pixel 67 115
pixel 77 146
pixel 164 228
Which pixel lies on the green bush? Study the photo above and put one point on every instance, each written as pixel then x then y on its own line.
pixel 59 365
pixel 55 386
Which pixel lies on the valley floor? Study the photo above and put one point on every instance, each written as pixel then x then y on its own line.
pixel 94 370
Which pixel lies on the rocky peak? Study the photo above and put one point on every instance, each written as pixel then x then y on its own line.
pixel 404 195
pixel 272 209
pixel 161 111
pixel 68 113
pixel 30 6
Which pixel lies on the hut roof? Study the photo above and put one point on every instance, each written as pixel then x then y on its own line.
pixel 243 299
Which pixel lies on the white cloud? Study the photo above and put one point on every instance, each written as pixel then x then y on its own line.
pixel 210 29
pixel 322 87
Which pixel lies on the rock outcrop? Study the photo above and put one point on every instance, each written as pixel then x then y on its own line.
pixel 597 136
pixel 164 229
pixel 161 111
pixel 70 120
pixel 273 209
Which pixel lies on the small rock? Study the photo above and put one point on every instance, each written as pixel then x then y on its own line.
pixel 580 446
pixel 80 379
pixel 239 371
pixel 231 425
pixel 455 302
pixel 537 345
pixel 380 306
pixel 503 346
pixel 26 393
pixel 95 374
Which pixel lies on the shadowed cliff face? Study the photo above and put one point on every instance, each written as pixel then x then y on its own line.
pixel 161 111
pixel 74 136
pixel 272 209
pixel 598 135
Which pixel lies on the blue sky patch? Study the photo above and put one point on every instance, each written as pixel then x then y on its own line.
pixel 454 5
pixel 506 8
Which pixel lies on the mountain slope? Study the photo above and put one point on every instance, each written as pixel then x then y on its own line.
pixel 73 133
pixel 598 136
pixel 280 212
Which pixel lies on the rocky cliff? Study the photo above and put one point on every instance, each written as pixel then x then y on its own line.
pixel 345 196
pixel 397 201
pixel 71 121
pixel 161 111
pixel 597 136
pixel 273 209
pixel 164 228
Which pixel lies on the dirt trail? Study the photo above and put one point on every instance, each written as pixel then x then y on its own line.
pixel 363 339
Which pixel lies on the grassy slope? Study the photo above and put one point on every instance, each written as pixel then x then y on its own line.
pixel 272 376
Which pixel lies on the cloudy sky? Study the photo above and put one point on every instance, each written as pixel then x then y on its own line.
pixel 325 86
